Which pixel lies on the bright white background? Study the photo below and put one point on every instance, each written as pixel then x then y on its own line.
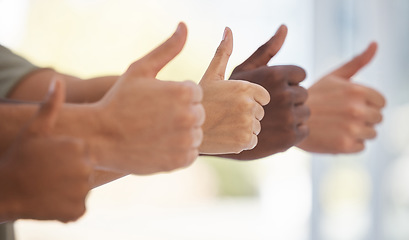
pixel 289 196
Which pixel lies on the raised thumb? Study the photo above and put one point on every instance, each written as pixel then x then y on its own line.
pixel 153 62
pixel 46 117
pixel 217 67
pixel 350 68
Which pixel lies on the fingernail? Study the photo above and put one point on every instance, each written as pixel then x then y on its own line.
pixel 179 27
pixel 224 34
pixel 51 89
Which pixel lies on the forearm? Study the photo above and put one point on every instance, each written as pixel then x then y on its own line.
pixel 14 118
pixel 35 86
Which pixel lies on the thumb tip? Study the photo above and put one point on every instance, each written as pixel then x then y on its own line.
pixel 227 34
pixel 181 28
pixel 282 29
pixel 373 45
pixel 56 88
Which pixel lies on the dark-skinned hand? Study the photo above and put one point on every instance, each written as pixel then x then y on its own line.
pixel 284 123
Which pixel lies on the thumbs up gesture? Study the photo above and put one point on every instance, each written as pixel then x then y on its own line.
pixel 343 113
pixel 233 108
pixel 43 176
pixel 151 125
pixel 283 125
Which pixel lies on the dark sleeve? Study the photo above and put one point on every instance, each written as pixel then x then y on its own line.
pixel 12 69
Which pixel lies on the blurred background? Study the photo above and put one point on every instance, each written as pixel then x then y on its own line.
pixel 294 195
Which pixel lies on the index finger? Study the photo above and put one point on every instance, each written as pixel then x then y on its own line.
pixel 375 98
pixel 261 95
pixel 196 91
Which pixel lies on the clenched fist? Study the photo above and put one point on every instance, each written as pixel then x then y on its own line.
pixel 233 108
pixel 44 177
pixel 284 123
pixel 343 113
pixel 151 125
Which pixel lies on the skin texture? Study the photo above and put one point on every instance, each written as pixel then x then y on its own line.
pixel 284 123
pixel 140 126
pixel 343 113
pixel 154 126
pixel 37 180
pixel 233 108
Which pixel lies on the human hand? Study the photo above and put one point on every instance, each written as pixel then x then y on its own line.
pixel 233 108
pixel 150 125
pixel 284 122
pixel 343 113
pixel 45 177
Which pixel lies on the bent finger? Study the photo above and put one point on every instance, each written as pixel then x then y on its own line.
pixel 256 127
pixel 253 142
pixel 300 95
pixel 259 112
pixel 301 114
pixel 260 94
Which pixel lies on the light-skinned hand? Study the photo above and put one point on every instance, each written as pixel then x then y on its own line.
pixel 151 125
pixel 343 113
pixel 233 108
pixel 45 177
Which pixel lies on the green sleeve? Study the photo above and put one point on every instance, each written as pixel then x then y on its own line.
pixel 12 69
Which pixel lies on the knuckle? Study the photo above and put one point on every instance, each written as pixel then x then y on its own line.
pixel 289 119
pixel 245 104
pixel 242 86
pixel 187 119
pixel 355 90
pixel 354 111
pixel 350 129
pixel 276 74
pixel 286 98
pixel 246 122
pixel 183 91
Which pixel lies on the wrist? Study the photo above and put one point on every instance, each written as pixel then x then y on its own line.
pixel 95 126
